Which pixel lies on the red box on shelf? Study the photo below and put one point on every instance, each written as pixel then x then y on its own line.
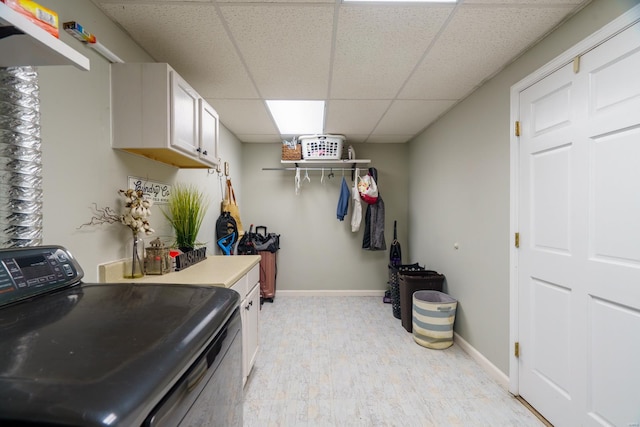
pixel 45 18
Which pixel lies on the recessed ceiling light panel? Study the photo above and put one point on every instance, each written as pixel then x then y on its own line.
pixel 298 117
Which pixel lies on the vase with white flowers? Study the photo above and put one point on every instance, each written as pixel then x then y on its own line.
pixel 136 217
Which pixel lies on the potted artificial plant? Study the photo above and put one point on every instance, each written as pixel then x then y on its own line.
pixel 186 209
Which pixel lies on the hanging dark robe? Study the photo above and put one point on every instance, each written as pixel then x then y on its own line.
pixel 373 239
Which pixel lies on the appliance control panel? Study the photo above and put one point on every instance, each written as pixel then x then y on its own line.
pixel 30 271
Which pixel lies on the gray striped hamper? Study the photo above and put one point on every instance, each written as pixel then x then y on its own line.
pixel 433 315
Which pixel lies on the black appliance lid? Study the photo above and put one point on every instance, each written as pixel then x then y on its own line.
pixel 103 354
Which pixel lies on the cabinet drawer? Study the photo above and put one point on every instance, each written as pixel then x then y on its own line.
pixel 241 287
pixel 253 276
pixel 244 285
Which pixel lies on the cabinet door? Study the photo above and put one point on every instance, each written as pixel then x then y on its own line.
pixel 244 314
pixel 184 116
pixel 208 134
pixel 252 318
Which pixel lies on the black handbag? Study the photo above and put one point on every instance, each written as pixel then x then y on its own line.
pixel 395 252
pixel 264 241
pixel 246 245
pixel 226 232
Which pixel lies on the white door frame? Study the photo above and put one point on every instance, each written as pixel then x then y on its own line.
pixel 614 27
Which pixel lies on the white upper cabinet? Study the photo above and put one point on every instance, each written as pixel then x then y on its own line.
pixel 184 104
pixel 209 132
pixel 157 114
pixel 23 43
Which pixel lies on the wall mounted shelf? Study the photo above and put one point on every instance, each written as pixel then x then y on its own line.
pixel 310 165
pixel 22 43
pixel 328 163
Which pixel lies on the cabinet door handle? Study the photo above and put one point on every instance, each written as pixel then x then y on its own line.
pixel 247 307
pixel 198 149
pixel 204 153
pixel 250 302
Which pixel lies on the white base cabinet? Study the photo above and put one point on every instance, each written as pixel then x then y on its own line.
pixel 249 289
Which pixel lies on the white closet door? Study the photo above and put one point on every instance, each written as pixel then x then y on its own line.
pixel 579 258
pixel 611 268
pixel 547 276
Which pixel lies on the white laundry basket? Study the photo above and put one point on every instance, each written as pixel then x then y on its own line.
pixel 322 147
pixel 433 315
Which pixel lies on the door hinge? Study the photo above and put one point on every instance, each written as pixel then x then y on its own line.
pixel 516 349
pixel 576 65
pixel 517 240
pixel 517 128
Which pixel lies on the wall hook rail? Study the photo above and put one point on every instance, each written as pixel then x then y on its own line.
pixel 309 169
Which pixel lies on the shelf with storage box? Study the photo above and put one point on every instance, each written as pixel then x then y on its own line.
pixel 23 43
pixel 158 115
pixel 319 151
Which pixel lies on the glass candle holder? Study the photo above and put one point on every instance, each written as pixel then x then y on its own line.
pixel 157 260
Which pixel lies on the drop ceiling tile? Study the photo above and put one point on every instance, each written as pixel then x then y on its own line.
pixel 242 116
pixel 267 139
pixel 410 116
pixel 355 138
pixel 389 139
pixel 354 117
pixel 478 42
pixel 377 47
pixel 191 38
pixel 286 48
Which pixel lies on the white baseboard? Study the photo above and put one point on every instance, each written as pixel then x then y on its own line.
pixel 484 363
pixel 331 293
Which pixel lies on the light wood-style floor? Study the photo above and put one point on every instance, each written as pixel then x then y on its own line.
pixel 346 361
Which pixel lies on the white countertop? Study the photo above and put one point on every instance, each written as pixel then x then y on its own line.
pixel 217 270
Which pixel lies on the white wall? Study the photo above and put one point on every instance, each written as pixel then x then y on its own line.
pixel 79 166
pixel 459 191
pixel 318 252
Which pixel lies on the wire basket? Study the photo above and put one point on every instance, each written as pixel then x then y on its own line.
pixel 322 147
pixel 289 153
pixel 394 284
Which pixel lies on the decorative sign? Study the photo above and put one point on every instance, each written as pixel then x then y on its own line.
pixel 190 258
pixel 157 191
